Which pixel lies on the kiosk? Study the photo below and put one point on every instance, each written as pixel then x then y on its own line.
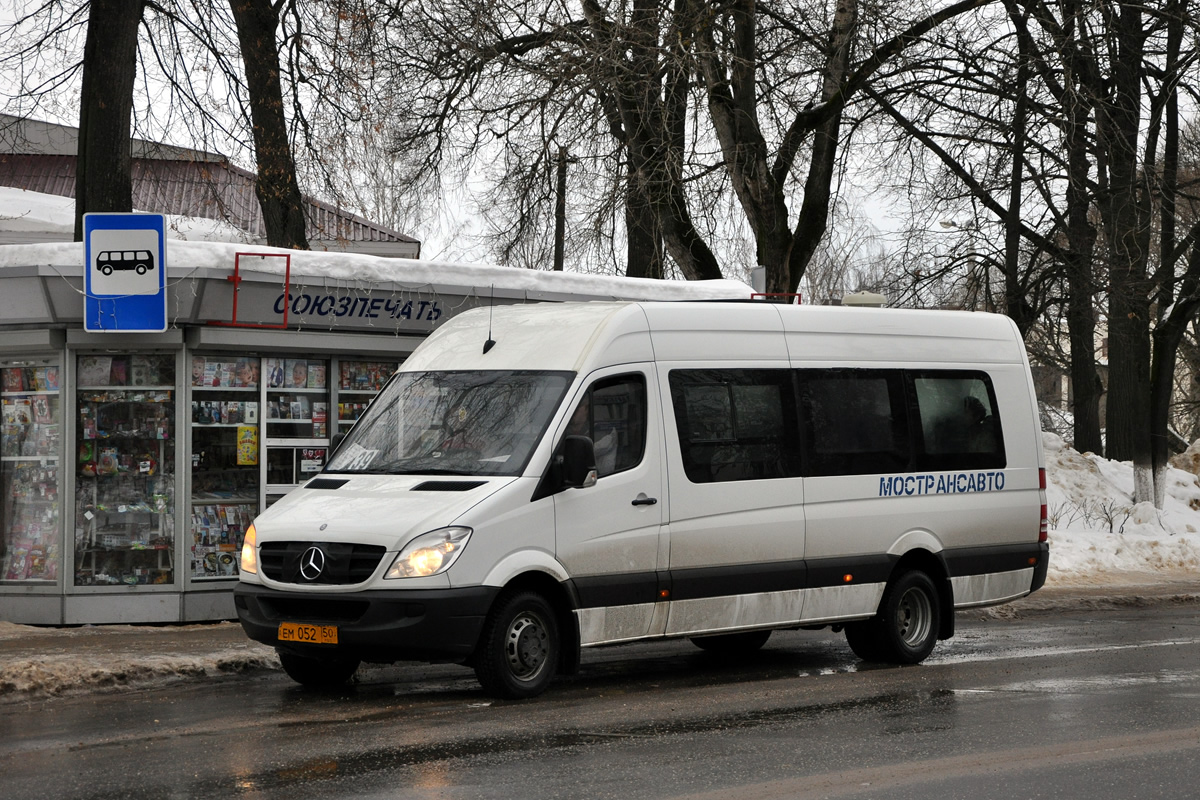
pixel 132 462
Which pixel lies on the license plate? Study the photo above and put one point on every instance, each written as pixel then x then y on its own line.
pixel 310 634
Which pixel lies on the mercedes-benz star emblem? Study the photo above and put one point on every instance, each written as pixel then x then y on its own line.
pixel 312 563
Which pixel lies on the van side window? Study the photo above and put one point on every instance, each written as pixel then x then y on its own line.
pixel 958 427
pixel 855 421
pixel 736 424
pixel 612 413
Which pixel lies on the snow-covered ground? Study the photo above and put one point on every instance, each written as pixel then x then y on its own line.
pixel 1098 536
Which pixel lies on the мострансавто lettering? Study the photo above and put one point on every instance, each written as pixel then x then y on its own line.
pixel 953 483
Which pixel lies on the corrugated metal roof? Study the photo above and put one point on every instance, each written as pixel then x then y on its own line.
pixel 24 136
pixel 37 156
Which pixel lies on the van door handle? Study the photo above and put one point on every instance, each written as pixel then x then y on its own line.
pixel 642 500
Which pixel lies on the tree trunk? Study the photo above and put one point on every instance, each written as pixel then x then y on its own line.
pixel 644 244
pixel 1016 303
pixel 814 211
pixel 1168 333
pixel 103 168
pixel 1078 103
pixel 276 185
pixel 1126 231
pixel 643 237
pixel 1081 314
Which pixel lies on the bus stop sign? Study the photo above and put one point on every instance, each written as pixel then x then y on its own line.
pixel 125 273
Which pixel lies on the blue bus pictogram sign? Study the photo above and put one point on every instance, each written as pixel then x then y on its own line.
pixel 125 286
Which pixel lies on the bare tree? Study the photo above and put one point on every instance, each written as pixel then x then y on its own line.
pixel 1092 116
pixel 685 105
pixel 159 67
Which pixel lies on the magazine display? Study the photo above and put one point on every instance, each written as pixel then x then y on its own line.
pixel 124 461
pixel 30 450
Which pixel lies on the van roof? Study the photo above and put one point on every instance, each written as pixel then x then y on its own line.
pixel 567 336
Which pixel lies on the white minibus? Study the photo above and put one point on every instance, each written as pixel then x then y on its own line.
pixel 538 479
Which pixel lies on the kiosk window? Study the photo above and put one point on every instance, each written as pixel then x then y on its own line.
pixel 855 422
pixel 958 424
pixel 736 424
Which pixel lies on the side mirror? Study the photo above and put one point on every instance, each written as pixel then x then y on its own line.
pixel 578 462
pixel 336 441
pixel 573 466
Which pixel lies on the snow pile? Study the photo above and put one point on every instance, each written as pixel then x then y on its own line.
pixel 34 211
pixel 64 674
pixel 1099 536
pixel 46 662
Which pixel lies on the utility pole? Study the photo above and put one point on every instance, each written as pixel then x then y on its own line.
pixel 560 211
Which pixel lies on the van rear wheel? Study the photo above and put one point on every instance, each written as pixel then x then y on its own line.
pixel 906 627
pixel 318 673
pixel 518 652
pixel 732 643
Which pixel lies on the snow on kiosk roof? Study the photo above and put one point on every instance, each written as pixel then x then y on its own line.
pixel 42 285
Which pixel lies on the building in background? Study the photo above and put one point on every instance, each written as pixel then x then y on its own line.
pixel 40 157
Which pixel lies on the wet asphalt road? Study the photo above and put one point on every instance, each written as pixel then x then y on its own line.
pixel 1089 704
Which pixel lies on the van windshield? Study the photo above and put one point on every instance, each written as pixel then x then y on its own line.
pixel 453 423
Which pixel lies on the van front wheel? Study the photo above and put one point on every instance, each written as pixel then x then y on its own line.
pixel 906 627
pixel 519 649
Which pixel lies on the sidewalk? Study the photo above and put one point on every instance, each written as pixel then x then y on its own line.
pixel 46 662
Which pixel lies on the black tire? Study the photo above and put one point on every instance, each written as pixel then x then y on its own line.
pixel 318 673
pixel 518 652
pixel 730 644
pixel 906 627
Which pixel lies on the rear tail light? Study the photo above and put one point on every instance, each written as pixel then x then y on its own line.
pixel 1044 525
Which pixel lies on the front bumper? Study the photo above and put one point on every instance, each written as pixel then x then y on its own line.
pixel 378 626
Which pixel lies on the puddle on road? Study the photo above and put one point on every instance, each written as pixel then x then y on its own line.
pixel 1005 654
pixel 1090 684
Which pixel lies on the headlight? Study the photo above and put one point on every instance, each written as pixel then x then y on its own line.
pixel 429 553
pixel 249 556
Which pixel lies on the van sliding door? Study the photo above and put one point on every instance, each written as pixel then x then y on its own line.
pixel 736 514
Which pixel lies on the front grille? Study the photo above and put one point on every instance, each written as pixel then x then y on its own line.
pixel 344 563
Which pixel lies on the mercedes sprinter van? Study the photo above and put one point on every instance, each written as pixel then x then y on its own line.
pixel 538 479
